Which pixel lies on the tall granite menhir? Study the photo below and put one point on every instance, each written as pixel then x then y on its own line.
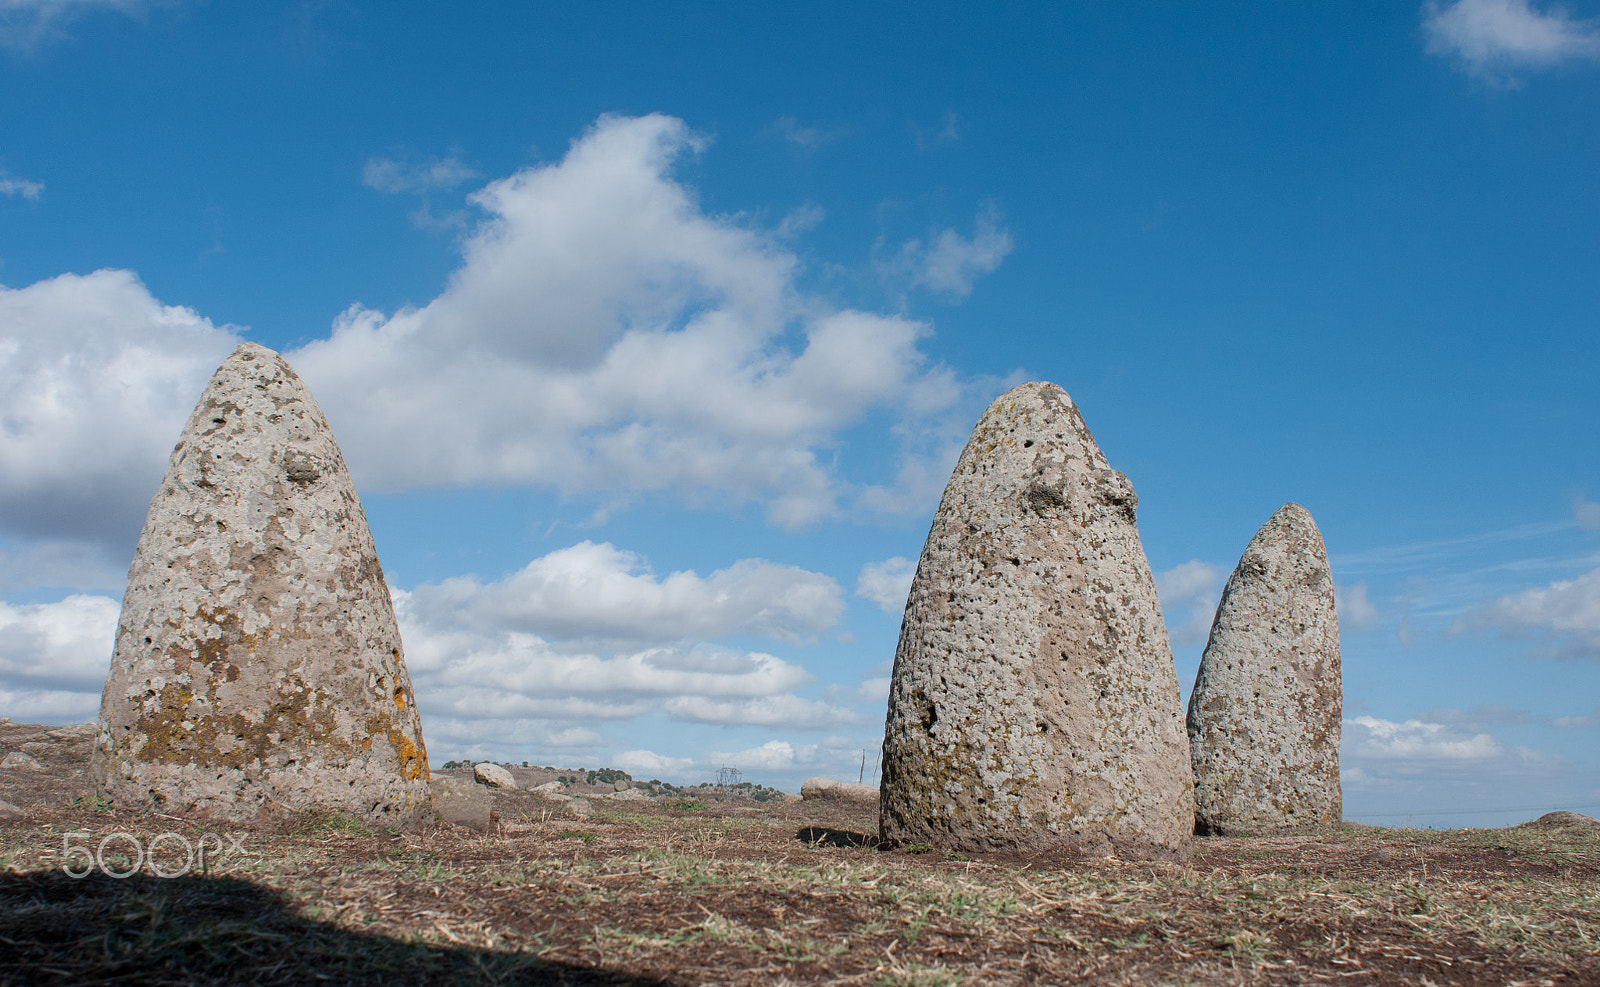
pixel 1034 704
pixel 1264 714
pixel 258 665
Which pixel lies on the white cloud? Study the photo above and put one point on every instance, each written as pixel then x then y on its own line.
pixel 587 633
pixel 96 381
pixel 389 175
pixel 788 128
pixel 54 657
pixel 887 583
pixel 1416 740
pixel 1193 587
pixel 950 263
pixel 11 185
pixel 948 132
pixel 1567 613
pixel 1492 36
pixel 643 764
pixel 1356 612
pixel 771 711
pixel 774 755
pixel 25 23
pixel 1584 721
pixel 874 690
pixel 599 591
pixel 1586 513
pixel 605 334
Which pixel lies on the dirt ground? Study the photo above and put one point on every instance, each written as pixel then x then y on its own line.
pixel 727 891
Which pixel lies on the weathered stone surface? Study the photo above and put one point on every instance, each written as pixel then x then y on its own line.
pixel 461 803
pixel 1034 703
pixel 493 775
pixel 258 665
pixel 10 813
pixel 1264 714
pixel 826 788
pixel 18 761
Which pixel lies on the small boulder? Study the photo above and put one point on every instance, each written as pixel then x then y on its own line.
pixel 628 795
pixel 826 789
pixel 461 803
pixel 549 786
pixel 493 775
pixel 10 813
pixel 18 761
pixel 580 808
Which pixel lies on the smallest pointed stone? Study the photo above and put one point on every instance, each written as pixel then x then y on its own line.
pixel 1265 712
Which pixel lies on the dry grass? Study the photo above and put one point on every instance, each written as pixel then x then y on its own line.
pixel 737 894
pixel 724 892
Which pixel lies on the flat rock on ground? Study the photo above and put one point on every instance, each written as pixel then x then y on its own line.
pixel 827 788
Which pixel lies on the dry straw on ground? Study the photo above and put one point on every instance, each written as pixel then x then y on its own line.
pixel 730 892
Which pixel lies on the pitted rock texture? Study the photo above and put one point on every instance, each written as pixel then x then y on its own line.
pixel 258 665
pixel 1034 704
pixel 1264 714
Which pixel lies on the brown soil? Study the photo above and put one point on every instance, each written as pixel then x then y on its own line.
pixel 710 891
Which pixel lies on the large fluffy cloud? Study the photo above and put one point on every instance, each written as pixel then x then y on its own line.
pixel 603 333
pixel 1491 36
pixel 96 381
pixel 588 633
pixel 594 591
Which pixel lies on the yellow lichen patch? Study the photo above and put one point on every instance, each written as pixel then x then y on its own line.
pixel 400 699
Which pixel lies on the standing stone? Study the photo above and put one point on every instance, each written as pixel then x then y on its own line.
pixel 1034 704
pixel 258 663
pixel 1264 714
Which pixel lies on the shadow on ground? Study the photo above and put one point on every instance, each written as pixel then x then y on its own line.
pixel 195 930
pixel 822 836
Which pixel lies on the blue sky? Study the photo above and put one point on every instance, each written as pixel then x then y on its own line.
pixel 651 332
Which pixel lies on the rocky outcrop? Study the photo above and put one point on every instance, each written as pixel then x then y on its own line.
pixel 1034 703
pixel 258 666
pixel 1265 711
